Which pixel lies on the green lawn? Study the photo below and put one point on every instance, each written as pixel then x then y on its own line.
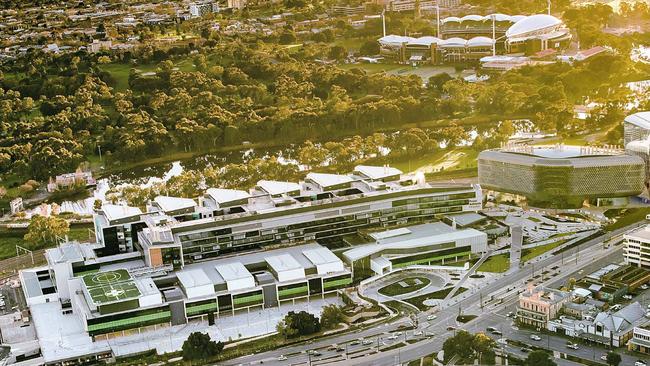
pixel 496 264
pixel 418 301
pixel 528 254
pixel 628 217
pixel 395 288
pixel 9 238
pixel 372 68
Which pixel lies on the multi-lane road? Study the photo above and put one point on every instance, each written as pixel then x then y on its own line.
pixel 429 336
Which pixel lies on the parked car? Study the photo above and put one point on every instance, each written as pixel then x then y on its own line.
pixel 451 328
pixel 496 332
pixel 644 287
pixel 572 346
pixel 627 297
pixel 490 329
pixel 535 337
pixel 640 363
pixel 502 341
pixel 604 357
pixel 432 317
pixel 282 358
pixel 525 350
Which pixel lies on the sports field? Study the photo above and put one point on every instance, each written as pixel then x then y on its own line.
pixel 112 286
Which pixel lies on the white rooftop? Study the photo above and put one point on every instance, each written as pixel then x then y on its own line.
pixel 640 119
pixel 328 180
pixel 283 262
pixel 167 203
pixel 221 195
pixel 236 275
pixel 320 255
pixel 116 212
pixel 410 242
pixel 390 233
pixel 377 172
pixel 193 278
pixel 273 187
pixel 532 23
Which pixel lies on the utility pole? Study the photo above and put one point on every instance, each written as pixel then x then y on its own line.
pixel 548 4
pixel 438 19
pixel 494 35
pixel 383 21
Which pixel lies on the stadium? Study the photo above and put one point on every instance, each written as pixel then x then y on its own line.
pixel 562 176
pixel 472 37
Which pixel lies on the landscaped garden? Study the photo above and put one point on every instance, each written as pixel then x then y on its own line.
pixel 404 286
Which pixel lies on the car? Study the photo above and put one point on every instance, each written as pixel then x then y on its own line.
pixel 640 363
pixel 644 287
pixel 502 341
pixel 496 332
pixel 418 333
pixel 451 328
pixel 490 329
pixel 627 297
pixel 393 337
pixel 398 333
pixel 340 349
pixel 510 314
pixel 616 307
pixel 514 327
pixel 525 350
pixel 604 357
pixel 366 342
pixel 535 337
pixel 572 346
pixel 332 347
pixel 432 317
pixel 355 343
pixel 282 358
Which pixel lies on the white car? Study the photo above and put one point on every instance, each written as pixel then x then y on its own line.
pixel 535 337
pixel 640 363
pixel 282 358
pixel 418 333
pixel 366 342
pixel 644 287
pixel 603 357
pixel 502 341
pixel 627 297
pixel 393 337
pixel 432 317
pixel 572 346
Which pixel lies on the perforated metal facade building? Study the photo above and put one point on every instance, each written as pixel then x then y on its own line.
pixel 562 180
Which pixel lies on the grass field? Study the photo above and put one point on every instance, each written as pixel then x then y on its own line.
pixel 9 238
pixel 528 254
pixel 497 264
pixel 413 284
pixel 626 217
pixel 418 301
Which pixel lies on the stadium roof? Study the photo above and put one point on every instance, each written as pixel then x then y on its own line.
pixel 425 41
pixel 395 39
pixel 532 23
pixel 480 42
pixel 640 119
pixel 472 17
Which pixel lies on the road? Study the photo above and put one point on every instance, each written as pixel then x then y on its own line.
pixel 591 255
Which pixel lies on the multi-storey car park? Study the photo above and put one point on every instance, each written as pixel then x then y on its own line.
pixel 233 251
pixel 562 176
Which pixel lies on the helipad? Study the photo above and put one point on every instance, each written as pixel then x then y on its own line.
pixel 113 286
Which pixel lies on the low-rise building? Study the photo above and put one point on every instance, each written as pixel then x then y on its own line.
pixel 640 341
pixel 537 306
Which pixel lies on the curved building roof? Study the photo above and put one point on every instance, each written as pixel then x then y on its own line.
pixel 425 41
pixel 531 24
pixel 516 18
pixel 640 119
pixel 453 42
pixel 451 19
pixel 639 146
pixel 472 17
pixel 393 39
pixel 500 17
pixel 480 42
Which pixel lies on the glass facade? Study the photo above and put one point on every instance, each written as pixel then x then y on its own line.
pixel 209 241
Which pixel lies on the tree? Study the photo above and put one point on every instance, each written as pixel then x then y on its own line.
pixel 539 358
pixel 331 317
pixel 459 345
pixel 43 231
pixel 369 48
pixel 337 53
pixel 298 324
pixel 613 358
pixel 199 346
